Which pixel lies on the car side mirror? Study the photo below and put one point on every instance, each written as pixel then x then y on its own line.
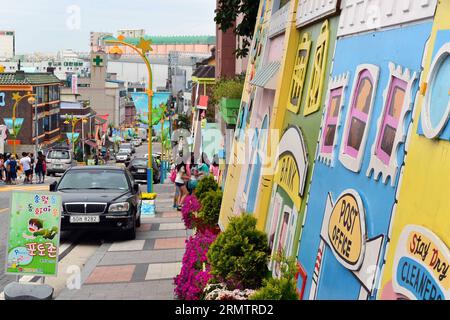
pixel 52 186
pixel 136 188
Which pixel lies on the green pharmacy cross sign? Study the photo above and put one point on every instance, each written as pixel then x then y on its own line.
pixel 98 61
pixel 33 235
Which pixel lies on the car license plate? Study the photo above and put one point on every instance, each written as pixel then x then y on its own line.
pixel 84 219
pixel 141 171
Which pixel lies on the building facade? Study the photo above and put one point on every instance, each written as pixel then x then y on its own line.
pixel 340 181
pixel 45 113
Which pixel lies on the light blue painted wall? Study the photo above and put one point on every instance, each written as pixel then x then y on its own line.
pixel 403 46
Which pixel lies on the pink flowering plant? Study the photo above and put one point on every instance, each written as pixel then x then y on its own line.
pixel 195 271
pixel 191 206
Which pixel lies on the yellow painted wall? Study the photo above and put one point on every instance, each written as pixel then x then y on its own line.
pixel 234 166
pixel 292 38
pixel 424 191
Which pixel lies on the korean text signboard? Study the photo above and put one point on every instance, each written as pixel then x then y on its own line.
pixel 421 265
pixel 33 235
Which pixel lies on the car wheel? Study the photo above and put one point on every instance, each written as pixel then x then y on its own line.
pixel 138 222
pixel 130 234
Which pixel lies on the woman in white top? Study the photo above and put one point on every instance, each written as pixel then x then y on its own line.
pixel 180 182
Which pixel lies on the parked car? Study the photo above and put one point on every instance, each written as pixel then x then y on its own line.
pixel 137 142
pixel 138 168
pixel 99 198
pixel 128 146
pixel 59 160
pixel 123 156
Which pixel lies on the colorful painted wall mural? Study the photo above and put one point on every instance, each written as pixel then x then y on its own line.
pixel 236 158
pixel 283 194
pixel 332 150
pixel 371 94
pixel 418 257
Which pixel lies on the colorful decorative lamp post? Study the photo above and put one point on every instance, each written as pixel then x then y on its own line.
pixel 15 130
pixel 72 120
pixel 142 49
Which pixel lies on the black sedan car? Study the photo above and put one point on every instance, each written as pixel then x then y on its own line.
pixel 99 198
pixel 138 168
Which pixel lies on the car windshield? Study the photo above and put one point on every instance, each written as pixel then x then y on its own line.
pixel 58 154
pixel 94 179
pixel 122 154
pixel 140 162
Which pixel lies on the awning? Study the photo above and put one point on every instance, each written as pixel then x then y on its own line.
pixel 267 76
pixel 91 144
pixel 100 120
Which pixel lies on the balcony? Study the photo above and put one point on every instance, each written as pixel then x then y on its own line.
pixel 229 109
pixel 278 21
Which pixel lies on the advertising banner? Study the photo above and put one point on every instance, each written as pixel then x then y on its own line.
pixel 33 234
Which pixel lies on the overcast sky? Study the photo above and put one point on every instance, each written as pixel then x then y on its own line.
pixel 52 25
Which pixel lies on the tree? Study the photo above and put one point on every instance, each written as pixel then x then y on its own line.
pixel 226 14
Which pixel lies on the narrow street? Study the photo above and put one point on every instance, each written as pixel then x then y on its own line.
pixel 101 266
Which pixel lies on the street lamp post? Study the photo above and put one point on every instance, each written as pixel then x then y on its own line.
pixel 72 120
pixel 17 98
pixel 142 49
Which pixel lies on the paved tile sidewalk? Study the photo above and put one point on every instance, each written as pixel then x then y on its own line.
pixel 142 269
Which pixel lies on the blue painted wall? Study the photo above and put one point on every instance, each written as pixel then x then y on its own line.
pixel 402 46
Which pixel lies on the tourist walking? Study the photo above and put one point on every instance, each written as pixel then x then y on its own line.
pixel 180 182
pixel 25 162
pixel 12 168
pixel 39 168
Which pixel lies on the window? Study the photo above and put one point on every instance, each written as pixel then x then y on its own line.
pixel 331 119
pixel 391 130
pixel 393 109
pixel 316 83
pixel 298 77
pixel 46 93
pixel 358 117
pixel 436 110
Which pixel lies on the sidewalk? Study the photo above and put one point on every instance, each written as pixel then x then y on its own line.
pixel 142 269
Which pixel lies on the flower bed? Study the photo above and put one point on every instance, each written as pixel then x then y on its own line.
pixel 195 272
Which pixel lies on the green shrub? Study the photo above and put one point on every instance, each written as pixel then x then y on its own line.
pixel 225 88
pixel 211 202
pixel 205 185
pixel 283 288
pixel 240 254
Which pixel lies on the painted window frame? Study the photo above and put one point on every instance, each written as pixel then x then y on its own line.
pixel 318 77
pixel 299 74
pixel 272 225
pixel 339 84
pixel 380 162
pixel 289 234
pixel 349 158
pixel 430 131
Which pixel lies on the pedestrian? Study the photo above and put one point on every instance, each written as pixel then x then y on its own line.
pixel 203 167
pixel 7 168
pixel 2 167
pixel 12 168
pixel 193 182
pixel 25 162
pixel 215 171
pixel 96 159
pixel 32 167
pixel 39 168
pixel 180 182
pixel 44 168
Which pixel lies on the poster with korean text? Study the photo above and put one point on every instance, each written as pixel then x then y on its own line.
pixel 33 234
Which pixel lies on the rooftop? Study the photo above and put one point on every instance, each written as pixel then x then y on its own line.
pixel 160 40
pixel 14 78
